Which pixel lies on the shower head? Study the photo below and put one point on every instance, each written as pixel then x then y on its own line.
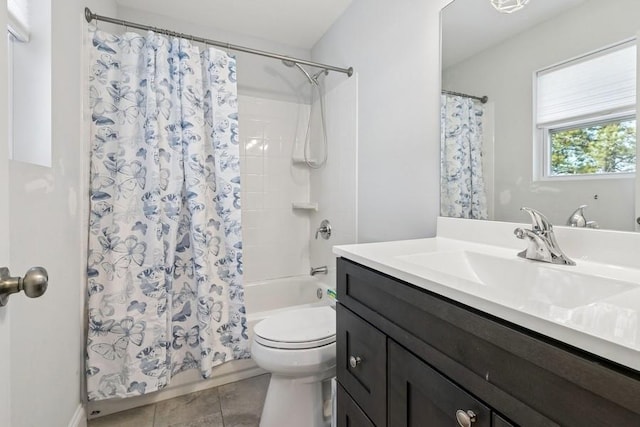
pixel 313 80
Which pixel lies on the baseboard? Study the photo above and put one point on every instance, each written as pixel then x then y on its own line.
pixel 79 418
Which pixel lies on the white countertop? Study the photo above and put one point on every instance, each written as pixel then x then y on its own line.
pixel 608 327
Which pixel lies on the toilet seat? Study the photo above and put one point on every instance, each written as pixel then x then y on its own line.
pixel 304 328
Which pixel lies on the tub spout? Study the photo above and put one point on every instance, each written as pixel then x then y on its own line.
pixel 319 270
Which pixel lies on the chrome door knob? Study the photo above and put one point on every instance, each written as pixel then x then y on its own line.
pixel 465 418
pixel 354 361
pixel 34 283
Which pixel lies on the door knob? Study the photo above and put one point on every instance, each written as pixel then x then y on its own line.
pixel 34 283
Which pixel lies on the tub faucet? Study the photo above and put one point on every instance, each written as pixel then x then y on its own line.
pixel 542 245
pixel 319 270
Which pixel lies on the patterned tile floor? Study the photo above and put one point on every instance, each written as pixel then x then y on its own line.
pixel 231 405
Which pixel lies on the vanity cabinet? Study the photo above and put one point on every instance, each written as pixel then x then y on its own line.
pixel 409 357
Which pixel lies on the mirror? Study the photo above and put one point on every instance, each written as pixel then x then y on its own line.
pixel 486 53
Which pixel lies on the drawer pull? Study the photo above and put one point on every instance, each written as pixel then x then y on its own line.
pixel 354 361
pixel 465 418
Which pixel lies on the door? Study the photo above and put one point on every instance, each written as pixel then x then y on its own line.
pixel 43 223
pixel 5 368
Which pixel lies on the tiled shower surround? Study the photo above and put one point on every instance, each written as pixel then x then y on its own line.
pixel 278 240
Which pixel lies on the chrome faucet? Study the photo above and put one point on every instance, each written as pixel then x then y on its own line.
pixel 542 244
pixel 319 270
pixel 577 219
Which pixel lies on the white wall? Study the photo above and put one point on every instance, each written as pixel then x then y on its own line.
pixel 505 73
pixel 334 186
pixel 395 49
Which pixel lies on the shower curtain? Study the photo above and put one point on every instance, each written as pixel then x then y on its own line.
pixel 165 250
pixel 462 191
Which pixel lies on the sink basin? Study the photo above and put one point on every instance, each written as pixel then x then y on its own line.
pixel 524 284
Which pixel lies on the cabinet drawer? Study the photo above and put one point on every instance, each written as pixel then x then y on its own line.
pixel 420 396
pixel 349 413
pixel 361 364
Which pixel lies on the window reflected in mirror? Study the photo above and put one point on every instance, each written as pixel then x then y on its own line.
pixel 559 128
pixel 585 114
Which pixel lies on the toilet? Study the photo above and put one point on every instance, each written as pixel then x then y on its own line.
pixel 298 347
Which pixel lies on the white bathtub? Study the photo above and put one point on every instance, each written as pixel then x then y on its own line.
pixel 262 299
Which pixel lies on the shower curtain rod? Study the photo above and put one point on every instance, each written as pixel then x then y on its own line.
pixel 90 16
pixel 482 99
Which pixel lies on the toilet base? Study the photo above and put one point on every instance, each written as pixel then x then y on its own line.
pixel 295 402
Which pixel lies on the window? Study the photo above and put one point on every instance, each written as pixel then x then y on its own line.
pixel 585 115
pixel 17 27
pixel 30 84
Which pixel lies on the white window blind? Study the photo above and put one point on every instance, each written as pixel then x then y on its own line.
pixel 597 84
pixel 18 19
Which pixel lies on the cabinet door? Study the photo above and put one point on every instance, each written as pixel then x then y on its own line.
pixel 361 364
pixel 498 421
pixel 349 413
pixel 419 396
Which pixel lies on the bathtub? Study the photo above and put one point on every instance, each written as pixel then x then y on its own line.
pixel 262 299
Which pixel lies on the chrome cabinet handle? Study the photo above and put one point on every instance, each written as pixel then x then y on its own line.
pixel 34 283
pixel 465 418
pixel 354 361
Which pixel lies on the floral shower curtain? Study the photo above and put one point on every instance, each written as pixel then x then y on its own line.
pixel 165 251
pixel 462 191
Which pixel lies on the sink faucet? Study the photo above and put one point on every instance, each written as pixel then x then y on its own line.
pixel 542 241
pixel 577 219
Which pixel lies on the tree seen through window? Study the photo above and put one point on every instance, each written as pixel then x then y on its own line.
pixel 603 148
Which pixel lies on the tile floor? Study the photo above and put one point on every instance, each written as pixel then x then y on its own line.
pixel 231 405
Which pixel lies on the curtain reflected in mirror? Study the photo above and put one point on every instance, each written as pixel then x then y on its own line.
pixel 462 191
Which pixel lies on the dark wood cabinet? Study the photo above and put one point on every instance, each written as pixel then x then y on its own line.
pixel 498 421
pixel 419 358
pixel 361 363
pixel 419 396
pixel 349 413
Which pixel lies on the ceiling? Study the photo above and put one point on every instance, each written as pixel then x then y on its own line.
pixel 298 23
pixel 471 26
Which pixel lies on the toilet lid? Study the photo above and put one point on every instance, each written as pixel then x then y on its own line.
pixel 298 329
